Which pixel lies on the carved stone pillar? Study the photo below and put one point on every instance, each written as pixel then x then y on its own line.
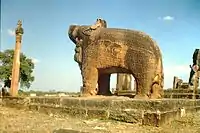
pixel 127 82
pixel 119 82
pixel 16 61
pixel 175 82
pixel 135 85
pixel 123 82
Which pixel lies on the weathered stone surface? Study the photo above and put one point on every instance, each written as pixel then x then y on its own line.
pixel 116 108
pixel 111 50
pixel 46 100
pixel 159 119
pixel 32 121
pixel 72 102
pixel 98 113
pixel 162 105
pixel 101 103
pixel 17 102
pixel 76 112
pixel 53 101
pixel 126 115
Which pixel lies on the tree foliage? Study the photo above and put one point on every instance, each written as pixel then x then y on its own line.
pixel 26 68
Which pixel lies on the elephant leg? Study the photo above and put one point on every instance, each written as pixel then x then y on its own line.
pixel 89 77
pixel 143 86
pixel 104 84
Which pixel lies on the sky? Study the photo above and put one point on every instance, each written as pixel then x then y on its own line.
pixel 174 24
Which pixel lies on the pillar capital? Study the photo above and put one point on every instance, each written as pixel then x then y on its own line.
pixel 19 30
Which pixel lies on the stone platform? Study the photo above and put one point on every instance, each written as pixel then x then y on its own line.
pixel 146 112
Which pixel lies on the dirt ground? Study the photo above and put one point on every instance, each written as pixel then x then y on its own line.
pixel 21 121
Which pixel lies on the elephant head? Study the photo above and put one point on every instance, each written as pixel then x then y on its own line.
pixel 81 34
pixel 76 33
pixel 77 36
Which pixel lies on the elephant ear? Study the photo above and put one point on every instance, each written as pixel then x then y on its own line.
pixel 104 23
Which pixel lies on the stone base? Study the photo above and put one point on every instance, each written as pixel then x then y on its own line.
pixel 146 112
pixel 127 93
pixel 174 93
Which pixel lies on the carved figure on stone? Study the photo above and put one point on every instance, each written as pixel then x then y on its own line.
pixel 19 30
pixel 100 23
pixel 78 53
pixel 113 50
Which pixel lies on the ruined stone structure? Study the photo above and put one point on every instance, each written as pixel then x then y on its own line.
pixel 188 89
pixel 111 50
pixel 177 83
pixel 194 74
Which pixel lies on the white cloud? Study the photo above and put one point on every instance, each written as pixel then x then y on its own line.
pixel 11 32
pixel 35 61
pixel 166 18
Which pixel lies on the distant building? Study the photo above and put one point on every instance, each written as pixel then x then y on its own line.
pixel 62 94
pixel 32 94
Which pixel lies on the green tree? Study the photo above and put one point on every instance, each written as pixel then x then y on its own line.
pixel 26 68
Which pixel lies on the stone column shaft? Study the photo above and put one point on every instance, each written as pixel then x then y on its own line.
pixel 16 61
pixel 123 81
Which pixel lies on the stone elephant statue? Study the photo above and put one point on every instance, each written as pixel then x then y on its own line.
pixel 111 50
